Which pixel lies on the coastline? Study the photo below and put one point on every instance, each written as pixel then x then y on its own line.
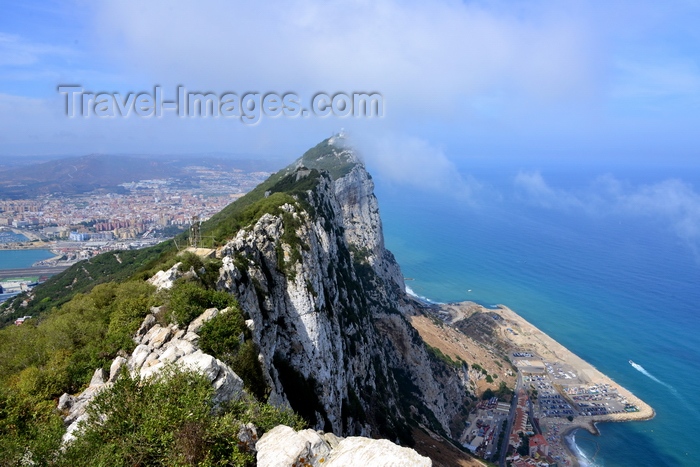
pixel 547 347
pixel 28 267
pixel 593 396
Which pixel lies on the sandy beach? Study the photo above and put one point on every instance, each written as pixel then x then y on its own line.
pixel 498 337
pixel 524 336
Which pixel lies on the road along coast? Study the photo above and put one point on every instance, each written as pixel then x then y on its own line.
pixel 567 393
pixel 557 391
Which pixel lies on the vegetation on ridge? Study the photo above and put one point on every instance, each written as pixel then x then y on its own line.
pixel 170 420
pixel 87 315
pixel 41 360
pixel 114 266
pixel 281 188
pixel 325 156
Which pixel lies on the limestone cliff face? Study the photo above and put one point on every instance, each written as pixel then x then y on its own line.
pixel 328 302
pixel 361 221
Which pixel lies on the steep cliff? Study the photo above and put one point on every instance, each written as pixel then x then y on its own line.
pixel 155 363
pixel 328 305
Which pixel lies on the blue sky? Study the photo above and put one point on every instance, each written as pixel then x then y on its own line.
pixel 515 82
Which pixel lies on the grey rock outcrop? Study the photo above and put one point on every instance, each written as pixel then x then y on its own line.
pixel 157 347
pixel 284 447
pixel 165 279
pixel 76 406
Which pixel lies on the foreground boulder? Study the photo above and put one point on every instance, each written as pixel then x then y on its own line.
pixel 283 447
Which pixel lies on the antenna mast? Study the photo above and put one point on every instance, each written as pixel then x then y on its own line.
pixel 194 231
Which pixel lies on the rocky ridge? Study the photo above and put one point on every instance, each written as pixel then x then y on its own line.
pixel 328 305
pixel 157 347
pixel 327 308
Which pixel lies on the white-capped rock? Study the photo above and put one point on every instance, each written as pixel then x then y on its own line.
pixel 165 279
pixel 198 322
pixel 283 447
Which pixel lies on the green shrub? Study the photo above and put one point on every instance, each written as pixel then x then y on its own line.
pixel 42 359
pixel 28 425
pixel 168 420
pixel 189 261
pixel 189 299
pixel 129 309
pixel 222 335
pixel 227 338
pixel 140 422
pixel 437 354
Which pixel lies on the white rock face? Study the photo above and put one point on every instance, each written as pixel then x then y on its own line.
pixel 284 447
pixel 165 279
pixel 362 223
pixel 326 308
pixel 198 322
pixel 370 452
pixel 116 368
pixel 77 405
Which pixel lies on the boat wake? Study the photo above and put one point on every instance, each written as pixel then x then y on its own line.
pixel 641 369
pixel 673 390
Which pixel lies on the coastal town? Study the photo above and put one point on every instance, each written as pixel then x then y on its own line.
pixel 555 392
pixel 142 213
pixel 138 210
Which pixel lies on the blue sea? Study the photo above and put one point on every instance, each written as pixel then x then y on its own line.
pixel 612 277
pixel 15 259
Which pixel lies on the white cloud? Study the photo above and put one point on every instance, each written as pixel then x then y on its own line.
pixel 532 187
pixel 18 51
pixel 673 202
pixel 521 75
pixel 415 163
pixel 427 55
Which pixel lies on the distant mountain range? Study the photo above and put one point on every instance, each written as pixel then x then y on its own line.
pixel 75 175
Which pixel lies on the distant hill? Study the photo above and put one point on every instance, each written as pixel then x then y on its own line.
pixel 75 175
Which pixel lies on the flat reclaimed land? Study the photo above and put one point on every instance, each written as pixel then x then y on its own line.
pixel 563 385
pixel 527 336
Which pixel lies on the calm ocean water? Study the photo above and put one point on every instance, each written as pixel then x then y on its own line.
pixel 13 259
pixel 609 287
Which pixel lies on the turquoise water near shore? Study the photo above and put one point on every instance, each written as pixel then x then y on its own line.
pixel 14 259
pixel 611 288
